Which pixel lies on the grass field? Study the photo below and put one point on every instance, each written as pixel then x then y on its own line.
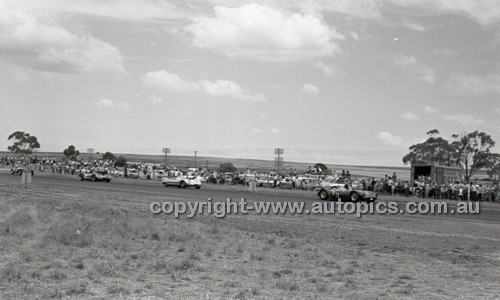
pixel 56 243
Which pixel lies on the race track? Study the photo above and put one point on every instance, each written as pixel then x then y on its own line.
pixel 135 187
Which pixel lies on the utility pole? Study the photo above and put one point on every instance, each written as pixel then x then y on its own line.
pixel 90 151
pixel 166 151
pixel 195 152
pixel 279 152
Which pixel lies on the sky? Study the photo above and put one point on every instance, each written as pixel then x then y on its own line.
pixel 339 82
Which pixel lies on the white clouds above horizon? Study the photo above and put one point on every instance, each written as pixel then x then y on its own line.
pixel 474 84
pixel 409 116
pixel 45 46
pixel 465 119
pixel 163 80
pixel 310 89
pixel 421 71
pixel 329 70
pixel 388 139
pixel 430 110
pixel 107 103
pixel 264 33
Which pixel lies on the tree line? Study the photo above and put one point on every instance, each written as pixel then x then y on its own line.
pixel 469 151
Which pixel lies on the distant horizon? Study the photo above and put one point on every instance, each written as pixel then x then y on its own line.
pixel 256 156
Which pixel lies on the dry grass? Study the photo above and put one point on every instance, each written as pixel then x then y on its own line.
pixel 100 246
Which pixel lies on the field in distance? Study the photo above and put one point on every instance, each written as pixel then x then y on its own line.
pixel 243 164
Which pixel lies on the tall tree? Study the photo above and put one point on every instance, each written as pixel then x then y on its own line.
pixel 473 152
pixel 71 153
pixel 23 142
pixel 121 161
pixel 435 150
pixel 109 155
pixel 227 167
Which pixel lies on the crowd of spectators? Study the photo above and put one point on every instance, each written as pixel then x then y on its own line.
pixel 310 179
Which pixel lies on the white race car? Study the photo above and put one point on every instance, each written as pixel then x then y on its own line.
pixel 182 181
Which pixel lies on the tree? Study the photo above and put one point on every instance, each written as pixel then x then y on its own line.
pixel 473 152
pixel 121 161
pixel 23 142
pixel 227 167
pixel 71 153
pixel 435 150
pixel 494 170
pixel 109 155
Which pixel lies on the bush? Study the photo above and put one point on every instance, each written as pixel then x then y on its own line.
pixel 227 167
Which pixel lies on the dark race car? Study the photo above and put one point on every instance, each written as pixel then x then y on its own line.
pixel 344 194
pixel 95 176
pixel 19 171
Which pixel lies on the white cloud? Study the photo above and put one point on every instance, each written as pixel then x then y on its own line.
pixel 275 130
pixel 107 103
pixel 482 11
pixel 412 25
pixel 430 110
pixel 474 85
pixel 310 89
pixel 389 139
pixel 260 32
pixel 328 70
pixel 163 80
pixel 41 44
pixel 156 100
pixel 363 9
pixel 141 10
pixel 123 106
pixel 254 131
pixel 465 119
pixel 423 72
pixel 409 116
pixel 167 81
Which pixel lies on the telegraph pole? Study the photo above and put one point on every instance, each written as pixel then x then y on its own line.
pixel 90 151
pixel 166 151
pixel 279 152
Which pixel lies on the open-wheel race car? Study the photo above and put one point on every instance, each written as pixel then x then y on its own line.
pixel 346 194
pixel 95 176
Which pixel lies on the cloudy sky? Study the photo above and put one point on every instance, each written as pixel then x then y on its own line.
pixel 344 81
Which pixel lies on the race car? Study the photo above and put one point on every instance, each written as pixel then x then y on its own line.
pixel 346 194
pixel 19 171
pixel 182 181
pixel 95 176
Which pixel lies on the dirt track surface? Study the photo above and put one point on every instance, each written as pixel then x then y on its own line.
pixel 63 238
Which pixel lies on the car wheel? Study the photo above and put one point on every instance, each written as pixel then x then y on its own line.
pixel 198 187
pixel 182 185
pixel 20 172
pixel 354 197
pixel 165 184
pixel 94 179
pixel 108 180
pixel 148 177
pixel 32 172
pixel 81 178
pixel 323 194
